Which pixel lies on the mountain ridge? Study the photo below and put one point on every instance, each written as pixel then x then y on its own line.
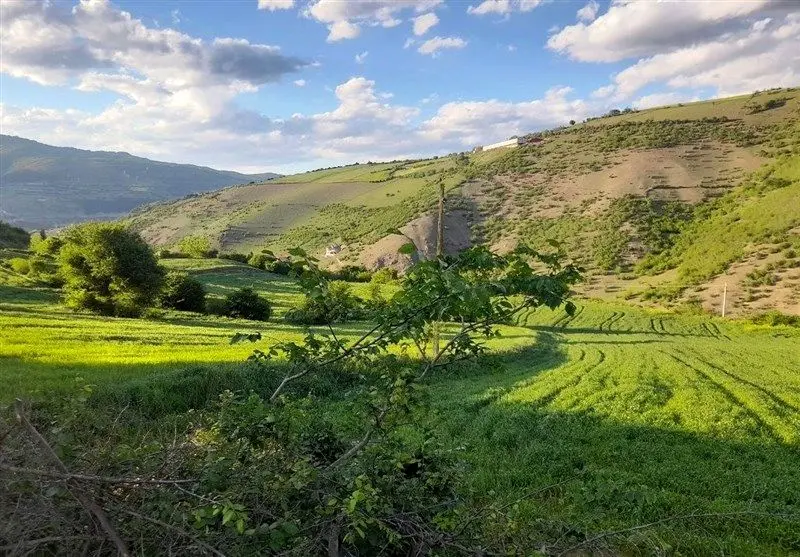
pixel 46 186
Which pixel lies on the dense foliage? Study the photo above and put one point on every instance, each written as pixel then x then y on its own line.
pixel 182 292
pixel 247 304
pixel 195 246
pixel 13 236
pixel 108 269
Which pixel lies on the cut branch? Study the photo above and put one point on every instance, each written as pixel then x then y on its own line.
pixel 87 503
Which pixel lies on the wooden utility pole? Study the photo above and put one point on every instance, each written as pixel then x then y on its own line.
pixel 724 298
pixel 439 253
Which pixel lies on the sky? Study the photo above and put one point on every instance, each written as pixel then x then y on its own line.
pixel 291 85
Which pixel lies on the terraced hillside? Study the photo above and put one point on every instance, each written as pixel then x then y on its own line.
pixel 699 188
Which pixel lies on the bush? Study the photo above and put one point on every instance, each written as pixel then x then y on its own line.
pixel 50 245
pixel 338 304
pixel 108 269
pixel 259 260
pixel 351 273
pixel 246 304
pixel 20 265
pixel 775 318
pixel 384 276
pixel 195 246
pixel 238 257
pixel 183 292
pixel 13 236
pixel 278 266
pixel 164 253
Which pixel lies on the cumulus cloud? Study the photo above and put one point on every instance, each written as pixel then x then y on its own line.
pixel 49 45
pixel 273 5
pixel 434 45
pixel 423 23
pixel 589 11
pixel 502 7
pixel 344 19
pixel 472 123
pixel 730 47
pixel 632 29
pixel 364 125
pixel 300 82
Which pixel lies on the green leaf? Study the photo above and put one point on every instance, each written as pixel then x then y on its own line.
pixel 298 252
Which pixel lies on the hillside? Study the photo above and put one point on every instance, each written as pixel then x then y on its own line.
pixel 664 205
pixel 46 186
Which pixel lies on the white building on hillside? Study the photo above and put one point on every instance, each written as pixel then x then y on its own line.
pixel 508 143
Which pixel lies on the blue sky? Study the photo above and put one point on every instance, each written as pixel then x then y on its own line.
pixel 288 85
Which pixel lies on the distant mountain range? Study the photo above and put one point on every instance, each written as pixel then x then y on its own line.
pixel 42 186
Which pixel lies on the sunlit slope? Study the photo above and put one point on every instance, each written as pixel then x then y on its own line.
pixel 616 191
pixel 640 417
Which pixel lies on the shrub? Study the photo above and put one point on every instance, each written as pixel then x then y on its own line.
pixel 195 246
pixel 259 260
pixel 336 305
pixel 108 269
pixel 183 292
pixel 164 253
pixel 384 276
pixel 238 257
pixel 278 266
pixel 20 265
pixel 246 304
pixel 50 245
pixel 775 318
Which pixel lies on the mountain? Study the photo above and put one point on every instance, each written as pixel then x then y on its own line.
pixel 45 186
pixel 665 205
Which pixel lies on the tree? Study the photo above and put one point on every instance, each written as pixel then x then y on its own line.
pixel 245 303
pixel 108 269
pixel 183 292
pixel 195 246
pixel 572 122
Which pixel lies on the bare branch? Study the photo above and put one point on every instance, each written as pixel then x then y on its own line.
pixel 87 503
pixel 9 549
pixel 87 478
pixel 177 530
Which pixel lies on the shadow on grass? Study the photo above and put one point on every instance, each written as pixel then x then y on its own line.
pixel 617 474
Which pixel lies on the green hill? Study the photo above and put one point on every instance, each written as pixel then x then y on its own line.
pixel 657 204
pixel 46 186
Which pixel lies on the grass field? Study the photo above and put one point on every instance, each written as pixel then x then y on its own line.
pixel 638 416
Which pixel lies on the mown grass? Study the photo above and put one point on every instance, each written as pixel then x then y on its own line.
pixel 643 416
pixel 637 416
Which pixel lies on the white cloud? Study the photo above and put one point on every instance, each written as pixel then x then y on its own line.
pixel 409 43
pixel 589 11
pixel 512 48
pixel 345 18
pixel 175 15
pixel 434 45
pixel 360 58
pixel 300 82
pixel 49 44
pixel 765 55
pixel 634 29
pixel 473 123
pixel 502 7
pixel 423 23
pixel 341 30
pixel 273 5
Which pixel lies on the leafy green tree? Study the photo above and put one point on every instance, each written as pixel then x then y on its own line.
pixel 195 246
pixel 183 292
pixel 247 304
pixel 108 269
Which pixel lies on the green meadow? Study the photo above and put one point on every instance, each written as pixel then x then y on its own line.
pixel 612 419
